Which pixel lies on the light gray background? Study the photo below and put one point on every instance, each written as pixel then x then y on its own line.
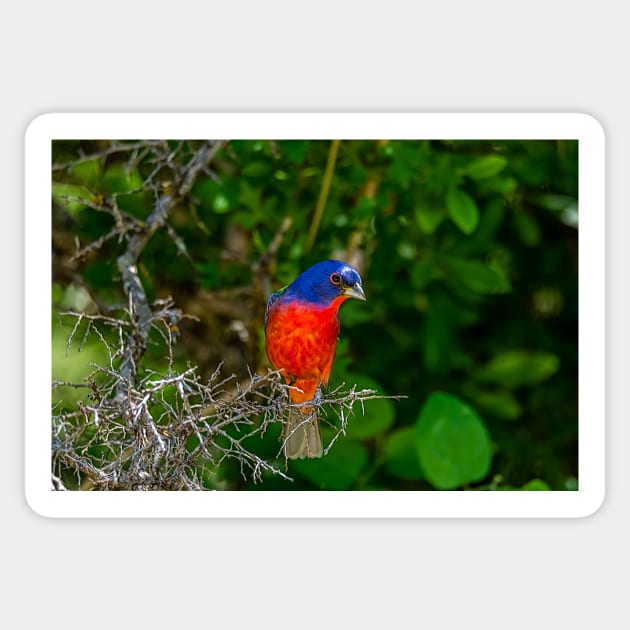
pixel 292 56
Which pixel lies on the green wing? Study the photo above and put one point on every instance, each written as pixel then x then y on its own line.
pixel 273 298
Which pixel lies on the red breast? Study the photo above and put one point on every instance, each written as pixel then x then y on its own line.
pixel 301 340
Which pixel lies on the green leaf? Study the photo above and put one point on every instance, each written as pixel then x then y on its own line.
pixel 257 169
pixel 118 178
pixel 501 404
pixel 452 442
pixel 339 469
pixel 516 368
pixel 504 185
pixel 477 276
pixel 401 459
pixel 528 228
pixel 88 172
pixel 463 210
pixel 556 202
pixel 69 196
pixel 429 218
pixel 484 167
pixel 281 176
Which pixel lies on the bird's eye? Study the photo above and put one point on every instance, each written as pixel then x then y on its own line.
pixel 335 278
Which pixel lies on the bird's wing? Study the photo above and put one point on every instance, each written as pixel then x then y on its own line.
pixel 273 298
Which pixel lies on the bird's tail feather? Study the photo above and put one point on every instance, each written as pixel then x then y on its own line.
pixel 301 434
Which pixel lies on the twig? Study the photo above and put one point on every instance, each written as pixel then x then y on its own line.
pixel 116 148
pixel 127 262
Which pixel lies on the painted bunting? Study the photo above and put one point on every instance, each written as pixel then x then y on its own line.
pixel 301 330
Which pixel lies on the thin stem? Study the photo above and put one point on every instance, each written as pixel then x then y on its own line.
pixel 323 194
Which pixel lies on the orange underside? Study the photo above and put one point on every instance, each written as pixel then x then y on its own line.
pixel 301 342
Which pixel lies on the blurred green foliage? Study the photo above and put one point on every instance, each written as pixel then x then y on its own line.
pixel 468 252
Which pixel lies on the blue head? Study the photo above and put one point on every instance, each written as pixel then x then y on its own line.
pixel 324 282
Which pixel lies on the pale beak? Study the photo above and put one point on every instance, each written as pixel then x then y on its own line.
pixel 355 291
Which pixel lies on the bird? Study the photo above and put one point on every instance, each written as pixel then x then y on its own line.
pixel 301 331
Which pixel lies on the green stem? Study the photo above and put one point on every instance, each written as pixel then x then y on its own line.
pixel 323 194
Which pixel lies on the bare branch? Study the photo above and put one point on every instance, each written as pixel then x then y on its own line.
pixel 169 429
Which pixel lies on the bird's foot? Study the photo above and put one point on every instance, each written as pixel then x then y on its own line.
pixel 317 399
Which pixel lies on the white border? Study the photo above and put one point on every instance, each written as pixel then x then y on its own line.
pixel 592 411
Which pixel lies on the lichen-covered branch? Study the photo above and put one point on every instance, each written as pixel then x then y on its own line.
pixel 127 262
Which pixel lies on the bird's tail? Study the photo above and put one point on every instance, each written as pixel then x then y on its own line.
pixel 301 434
